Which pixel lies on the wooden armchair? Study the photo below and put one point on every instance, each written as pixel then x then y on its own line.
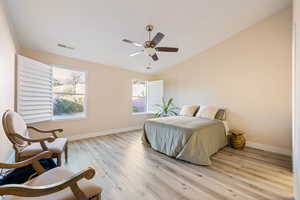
pixel 16 130
pixel 58 183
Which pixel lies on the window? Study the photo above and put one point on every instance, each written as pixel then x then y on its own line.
pixel 46 93
pixel 139 101
pixel 69 94
pixel 146 95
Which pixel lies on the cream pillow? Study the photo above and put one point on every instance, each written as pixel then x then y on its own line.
pixel 188 111
pixel 208 112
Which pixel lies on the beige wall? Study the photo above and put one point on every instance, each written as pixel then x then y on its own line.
pixel 250 74
pixel 7 70
pixel 109 96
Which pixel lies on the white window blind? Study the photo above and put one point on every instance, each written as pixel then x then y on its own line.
pixel 155 93
pixel 34 91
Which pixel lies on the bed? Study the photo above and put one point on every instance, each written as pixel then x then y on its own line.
pixel 191 139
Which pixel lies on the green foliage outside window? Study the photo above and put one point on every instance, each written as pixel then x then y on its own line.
pixel 66 106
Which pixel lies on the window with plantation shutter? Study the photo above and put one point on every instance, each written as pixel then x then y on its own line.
pixel 155 92
pixel 146 95
pixel 34 101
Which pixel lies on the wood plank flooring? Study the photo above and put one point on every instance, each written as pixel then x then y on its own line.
pixel 127 170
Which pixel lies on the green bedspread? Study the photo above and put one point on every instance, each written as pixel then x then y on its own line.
pixel 186 138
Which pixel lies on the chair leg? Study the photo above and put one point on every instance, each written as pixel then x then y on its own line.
pixel 59 160
pixel 97 197
pixel 66 153
pixel 16 157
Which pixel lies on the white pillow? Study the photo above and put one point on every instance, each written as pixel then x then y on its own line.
pixel 188 111
pixel 208 112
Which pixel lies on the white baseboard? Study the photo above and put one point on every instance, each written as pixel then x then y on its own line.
pixel 265 147
pixel 102 133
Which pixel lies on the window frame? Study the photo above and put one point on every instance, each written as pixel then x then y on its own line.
pixel 85 103
pixel 146 99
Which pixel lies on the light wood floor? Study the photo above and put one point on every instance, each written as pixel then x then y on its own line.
pixel 129 171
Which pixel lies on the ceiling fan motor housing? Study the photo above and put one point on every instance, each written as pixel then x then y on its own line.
pixel 149 44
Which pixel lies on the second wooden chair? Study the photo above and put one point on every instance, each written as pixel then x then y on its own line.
pixel 25 147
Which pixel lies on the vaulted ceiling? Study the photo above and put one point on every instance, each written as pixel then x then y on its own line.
pixel 96 27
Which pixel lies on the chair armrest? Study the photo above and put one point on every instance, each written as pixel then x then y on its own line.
pixel 54 131
pixel 33 160
pixel 36 191
pixel 27 139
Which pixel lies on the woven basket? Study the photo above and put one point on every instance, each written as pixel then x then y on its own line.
pixel 237 141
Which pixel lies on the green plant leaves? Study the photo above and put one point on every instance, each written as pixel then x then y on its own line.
pixel 166 109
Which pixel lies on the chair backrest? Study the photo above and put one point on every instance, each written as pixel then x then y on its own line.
pixel 221 114
pixel 13 123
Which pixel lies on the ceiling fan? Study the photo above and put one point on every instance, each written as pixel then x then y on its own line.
pixel 150 46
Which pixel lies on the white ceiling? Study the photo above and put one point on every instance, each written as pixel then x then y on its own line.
pixel 96 27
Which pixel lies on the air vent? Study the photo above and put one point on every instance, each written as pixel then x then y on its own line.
pixel 149 66
pixel 65 46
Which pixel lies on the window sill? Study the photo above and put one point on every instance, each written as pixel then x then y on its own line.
pixel 143 113
pixel 69 118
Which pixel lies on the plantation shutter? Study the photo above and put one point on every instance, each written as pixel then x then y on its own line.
pixel 155 92
pixel 34 90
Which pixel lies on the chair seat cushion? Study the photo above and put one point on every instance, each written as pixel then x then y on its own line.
pixel 57 146
pixel 54 176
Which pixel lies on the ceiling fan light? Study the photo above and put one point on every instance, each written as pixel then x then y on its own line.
pixel 150 51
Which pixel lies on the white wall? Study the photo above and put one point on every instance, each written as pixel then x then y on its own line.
pixel 7 71
pixel 250 74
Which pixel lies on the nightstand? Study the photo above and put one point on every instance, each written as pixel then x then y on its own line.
pixel 237 139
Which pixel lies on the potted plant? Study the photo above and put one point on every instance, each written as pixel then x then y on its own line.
pixel 166 109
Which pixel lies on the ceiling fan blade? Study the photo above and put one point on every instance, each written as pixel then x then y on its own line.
pixel 155 57
pixel 157 38
pixel 167 49
pixel 136 53
pixel 132 42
